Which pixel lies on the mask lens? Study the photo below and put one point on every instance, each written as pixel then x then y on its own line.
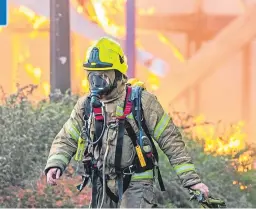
pixel 99 81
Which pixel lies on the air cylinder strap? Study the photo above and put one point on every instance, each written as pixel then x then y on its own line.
pixel 120 135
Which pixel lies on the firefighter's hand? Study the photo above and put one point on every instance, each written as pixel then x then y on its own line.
pixel 201 187
pixel 52 175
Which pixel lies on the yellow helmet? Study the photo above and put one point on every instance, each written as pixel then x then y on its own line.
pixel 106 54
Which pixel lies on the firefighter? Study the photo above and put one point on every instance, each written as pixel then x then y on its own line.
pixel 114 127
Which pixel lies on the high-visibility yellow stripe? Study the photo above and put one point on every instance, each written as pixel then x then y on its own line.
pixel 130 116
pixel 72 130
pixel 119 111
pixel 60 157
pixel 80 149
pixel 179 169
pixel 144 175
pixel 160 127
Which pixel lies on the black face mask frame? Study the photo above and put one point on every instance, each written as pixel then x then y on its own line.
pixel 99 85
pixel 99 82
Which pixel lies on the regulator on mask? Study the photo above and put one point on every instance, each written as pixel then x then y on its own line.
pixel 99 85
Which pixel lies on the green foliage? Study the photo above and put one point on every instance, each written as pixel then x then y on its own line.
pixel 27 131
pixel 218 174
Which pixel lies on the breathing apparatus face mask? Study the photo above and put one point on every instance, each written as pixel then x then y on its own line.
pixel 100 84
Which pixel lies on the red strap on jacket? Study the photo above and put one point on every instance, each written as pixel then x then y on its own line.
pixel 127 110
pixel 128 106
pixel 98 113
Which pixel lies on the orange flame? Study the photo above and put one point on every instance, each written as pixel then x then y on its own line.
pixel 32 16
pixel 219 140
pixel 103 19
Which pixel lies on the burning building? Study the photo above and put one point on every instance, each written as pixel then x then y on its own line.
pixel 202 51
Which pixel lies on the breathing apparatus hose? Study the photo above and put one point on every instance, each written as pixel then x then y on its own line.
pixel 103 170
pixel 88 139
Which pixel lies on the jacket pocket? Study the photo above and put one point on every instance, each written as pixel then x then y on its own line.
pixel 149 196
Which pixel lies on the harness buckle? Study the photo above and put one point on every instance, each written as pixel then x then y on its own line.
pixel 129 169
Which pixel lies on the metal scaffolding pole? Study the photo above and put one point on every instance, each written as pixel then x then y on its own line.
pixel 59 45
pixel 130 37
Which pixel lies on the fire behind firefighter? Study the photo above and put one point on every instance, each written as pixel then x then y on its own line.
pixel 113 130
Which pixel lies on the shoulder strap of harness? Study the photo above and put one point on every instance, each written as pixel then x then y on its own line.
pixel 87 108
pixel 121 128
pixel 137 111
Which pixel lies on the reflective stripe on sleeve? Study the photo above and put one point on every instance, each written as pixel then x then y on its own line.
pixel 72 130
pixel 179 169
pixel 60 157
pixel 160 127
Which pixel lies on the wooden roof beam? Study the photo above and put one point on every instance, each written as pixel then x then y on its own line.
pixel 226 44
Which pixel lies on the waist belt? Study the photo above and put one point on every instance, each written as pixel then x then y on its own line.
pixel 138 174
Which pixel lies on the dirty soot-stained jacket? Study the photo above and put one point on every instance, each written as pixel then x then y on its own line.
pixel 161 128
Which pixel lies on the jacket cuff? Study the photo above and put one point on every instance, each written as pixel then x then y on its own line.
pixel 191 183
pixel 187 174
pixel 48 167
pixel 57 161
